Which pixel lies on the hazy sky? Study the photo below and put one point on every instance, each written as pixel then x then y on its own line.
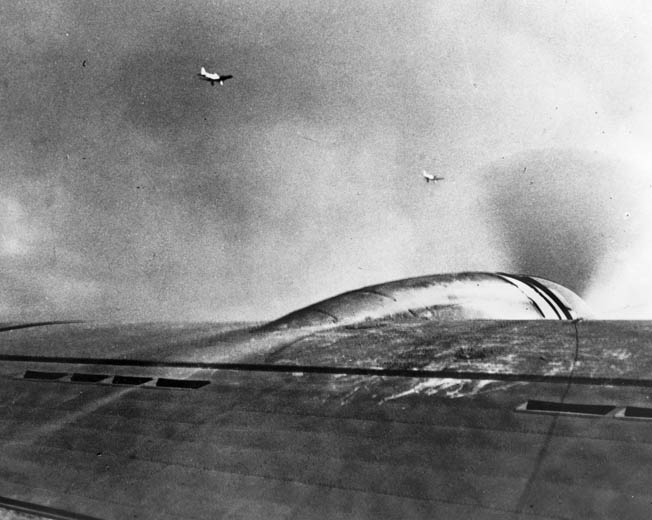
pixel 131 190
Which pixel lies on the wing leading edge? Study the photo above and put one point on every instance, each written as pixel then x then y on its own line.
pixel 407 418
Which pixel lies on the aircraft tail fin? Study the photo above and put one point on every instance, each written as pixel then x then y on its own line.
pixel 203 70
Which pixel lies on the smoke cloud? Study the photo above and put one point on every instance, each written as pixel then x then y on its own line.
pixel 560 212
pixel 568 215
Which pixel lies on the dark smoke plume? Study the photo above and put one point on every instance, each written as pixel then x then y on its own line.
pixel 559 212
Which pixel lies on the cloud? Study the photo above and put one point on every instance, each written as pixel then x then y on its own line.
pixel 166 198
pixel 14 233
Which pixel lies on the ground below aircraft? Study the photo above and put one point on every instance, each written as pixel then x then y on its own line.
pixel 467 395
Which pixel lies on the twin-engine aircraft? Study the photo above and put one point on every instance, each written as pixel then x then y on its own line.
pixel 213 77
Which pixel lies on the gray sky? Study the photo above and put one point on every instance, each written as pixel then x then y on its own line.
pixel 131 190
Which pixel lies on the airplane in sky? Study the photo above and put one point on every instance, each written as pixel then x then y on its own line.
pixel 458 395
pixel 213 77
pixel 430 177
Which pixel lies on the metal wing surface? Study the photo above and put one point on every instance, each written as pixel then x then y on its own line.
pixel 387 419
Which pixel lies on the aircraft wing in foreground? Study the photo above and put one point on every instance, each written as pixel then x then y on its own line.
pixel 386 402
